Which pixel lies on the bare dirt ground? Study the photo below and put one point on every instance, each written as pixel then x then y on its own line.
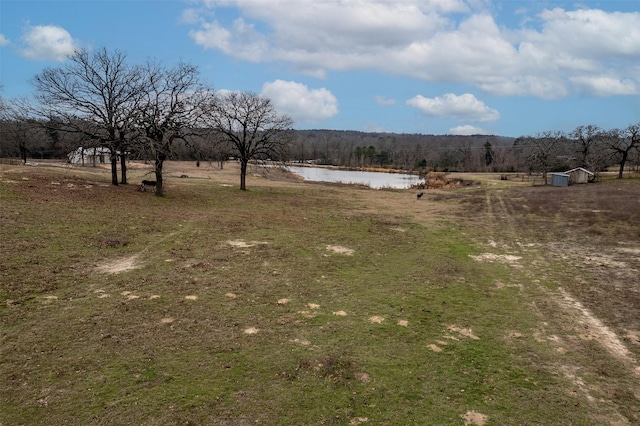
pixel 580 245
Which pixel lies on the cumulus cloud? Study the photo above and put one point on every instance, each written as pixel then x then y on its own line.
pixel 605 85
pixel 464 107
pixel 452 41
pixel 241 40
pixel 467 130
pixel 3 40
pixel 299 101
pixel 48 42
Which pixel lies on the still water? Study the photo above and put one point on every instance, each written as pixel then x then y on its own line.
pixel 375 180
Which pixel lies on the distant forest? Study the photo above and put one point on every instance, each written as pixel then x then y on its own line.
pixel 587 146
pixel 403 151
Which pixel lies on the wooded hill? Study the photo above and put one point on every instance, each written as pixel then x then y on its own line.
pixel 404 151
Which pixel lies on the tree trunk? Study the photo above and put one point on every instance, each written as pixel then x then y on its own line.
pixel 160 157
pixel 23 153
pixel 123 167
pixel 114 168
pixel 623 160
pixel 243 173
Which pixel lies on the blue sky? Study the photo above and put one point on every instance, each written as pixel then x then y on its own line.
pixel 508 68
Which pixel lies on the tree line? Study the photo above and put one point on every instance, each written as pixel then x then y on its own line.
pixel 153 112
pixel 98 99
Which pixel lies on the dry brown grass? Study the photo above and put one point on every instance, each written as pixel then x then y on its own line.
pixel 314 304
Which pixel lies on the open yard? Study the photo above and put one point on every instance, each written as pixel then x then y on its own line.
pixel 308 304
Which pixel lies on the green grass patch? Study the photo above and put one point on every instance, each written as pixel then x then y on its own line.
pixel 236 308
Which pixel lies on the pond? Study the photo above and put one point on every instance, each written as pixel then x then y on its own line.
pixel 375 180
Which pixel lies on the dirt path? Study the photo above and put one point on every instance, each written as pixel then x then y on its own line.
pixel 507 235
pixel 500 218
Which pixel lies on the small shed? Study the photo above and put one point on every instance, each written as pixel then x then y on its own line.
pixel 559 179
pixel 579 175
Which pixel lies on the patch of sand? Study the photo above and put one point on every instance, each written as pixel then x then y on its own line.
pixel 283 301
pixel 120 265
pixel 191 297
pixel 435 348
pixel 633 336
pixel 475 418
pixel 376 319
pixel 251 330
pixel 154 296
pixel 301 342
pixel 492 257
pixel 340 250
pixel 403 323
pixel 463 331
pixel 363 377
pixel 231 295
pixel 399 229
pixel 244 244
pixel 630 250
pixel 358 420
pixel 570 373
pixel 167 320
pixel 593 328
pixel 313 305
pixel 340 313
pixel 51 297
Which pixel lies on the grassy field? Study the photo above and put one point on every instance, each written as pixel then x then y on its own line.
pixel 307 304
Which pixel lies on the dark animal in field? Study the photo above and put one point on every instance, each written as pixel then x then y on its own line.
pixel 419 196
pixel 145 183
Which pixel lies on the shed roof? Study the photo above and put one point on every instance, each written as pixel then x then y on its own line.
pixel 579 169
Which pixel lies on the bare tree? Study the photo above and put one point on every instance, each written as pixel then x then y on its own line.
pixel 172 107
pixel 252 126
pixel 590 149
pixel 95 94
pixel 20 126
pixel 542 150
pixel 622 143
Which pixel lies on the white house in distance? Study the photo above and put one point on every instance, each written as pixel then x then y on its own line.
pixel 97 155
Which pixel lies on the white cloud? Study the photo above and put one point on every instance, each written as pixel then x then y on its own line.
pixel 299 102
pixel 464 107
pixel 605 86
pixel 467 130
pixel 189 16
pixel 451 41
pixel 591 32
pixel 48 42
pixel 3 40
pixel 241 40
pixel 381 100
